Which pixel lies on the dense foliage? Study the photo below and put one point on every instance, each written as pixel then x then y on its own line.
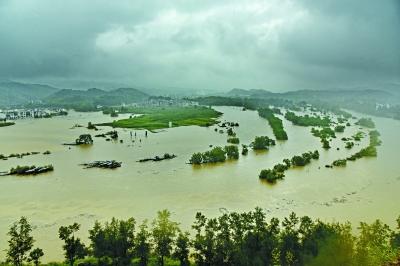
pixel 262 143
pixel 369 151
pixel 215 155
pixel 6 124
pixel 306 120
pixel 274 122
pixel 340 128
pixel 233 140
pixel 248 238
pixel 278 171
pixel 366 122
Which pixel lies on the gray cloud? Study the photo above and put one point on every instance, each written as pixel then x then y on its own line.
pixel 276 45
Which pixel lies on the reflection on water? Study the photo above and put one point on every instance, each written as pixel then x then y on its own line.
pixel 364 190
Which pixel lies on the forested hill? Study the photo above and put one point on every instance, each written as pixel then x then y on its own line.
pixel 15 93
pixel 88 99
pixel 383 102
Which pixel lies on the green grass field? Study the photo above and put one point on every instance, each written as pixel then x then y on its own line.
pixel 154 118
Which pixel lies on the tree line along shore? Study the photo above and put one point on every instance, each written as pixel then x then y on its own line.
pixel 248 238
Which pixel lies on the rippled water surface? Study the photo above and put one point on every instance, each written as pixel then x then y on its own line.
pixel 364 190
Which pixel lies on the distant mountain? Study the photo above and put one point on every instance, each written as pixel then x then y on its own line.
pixel 337 95
pixel 250 93
pixel 15 93
pixel 88 99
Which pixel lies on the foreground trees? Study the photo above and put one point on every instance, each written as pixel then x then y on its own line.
pixel 20 242
pixel 242 239
pixel 73 247
pixel 113 241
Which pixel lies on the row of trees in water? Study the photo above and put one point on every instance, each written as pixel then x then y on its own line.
pixel 306 120
pixel 221 154
pixel 369 151
pixel 247 238
pixel 274 122
pixel 278 171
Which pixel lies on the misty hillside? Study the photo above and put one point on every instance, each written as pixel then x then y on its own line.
pixel 14 93
pixel 337 95
pixel 89 99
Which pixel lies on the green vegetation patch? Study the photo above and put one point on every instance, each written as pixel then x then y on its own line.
pixel 274 122
pixel 233 238
pixel 159 118
pixel 6 124
pixel 307 121
pixel 262 143
pixel 366 122
pixel 369 151
pixel 216 155
pixel 278 171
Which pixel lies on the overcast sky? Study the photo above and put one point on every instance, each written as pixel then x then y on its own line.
pixel 275 44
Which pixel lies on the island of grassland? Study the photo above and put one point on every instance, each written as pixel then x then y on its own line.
pixel 153 118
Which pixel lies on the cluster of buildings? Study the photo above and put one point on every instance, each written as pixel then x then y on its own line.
pixel 160 101
pixel 13 114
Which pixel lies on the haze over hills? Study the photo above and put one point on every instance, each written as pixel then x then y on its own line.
pixel 89 99
pixel 14 93
pixel 312 95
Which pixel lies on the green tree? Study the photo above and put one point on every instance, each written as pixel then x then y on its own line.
pixel 73 247
pixel 290 247
pixel 164 232
pixel 143 244
pixel 232 152
pixel 373 246
pixel 196 158
pixel 262 143
pixel 204 243
pixel 20 242
pixel 182 248
pixel 216 154
pixel 35 256
pixel 114 240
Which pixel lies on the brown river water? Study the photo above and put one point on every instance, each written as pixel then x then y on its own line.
pixel 364 190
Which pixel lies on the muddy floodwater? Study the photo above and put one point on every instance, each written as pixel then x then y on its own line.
pixel 364 190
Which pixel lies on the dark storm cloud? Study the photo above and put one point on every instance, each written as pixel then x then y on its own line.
pixel 194 44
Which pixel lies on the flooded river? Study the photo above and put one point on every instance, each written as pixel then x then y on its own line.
pixel 365 190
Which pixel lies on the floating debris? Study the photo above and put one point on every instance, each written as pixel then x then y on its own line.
pixel 85 139
pixel 166 156
pixel 103 164
pixel 111 134
pixel 28 170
